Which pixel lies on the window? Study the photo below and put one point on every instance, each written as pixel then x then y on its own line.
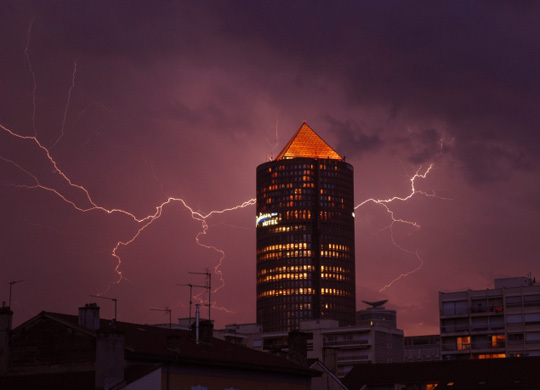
pixel 532 318
pixel 531 300
pixel 515 338
pixel 497 341
pixel 479 323
pixel 513 319
pixel 479 306
pixel 463 343
pixel 513 301
pixel 532 337
pixel 496 322
pixel 459 307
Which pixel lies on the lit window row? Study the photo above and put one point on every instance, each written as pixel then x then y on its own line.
pixel 297 214
pixel 327 166
pixel 295 204
pixel 490 356
pixel 275 187
pixel 334 254
pixel 292 268
pixel 288 291
pixel 287 246
pixel 291 307
pixel 333 276
pixel 285 229
pixel 334 291
pixel 289 173
pixel 334 269
pixel 279 255
pixel 289 276
pixel 287 167
pixel 339 247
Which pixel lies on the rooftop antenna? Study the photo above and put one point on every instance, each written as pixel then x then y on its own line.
pixel 110 299
pixel 10 285
pixel 165 310
pixel 208 286
pixel 190 295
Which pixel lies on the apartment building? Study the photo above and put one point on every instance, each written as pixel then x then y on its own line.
pixel 492 323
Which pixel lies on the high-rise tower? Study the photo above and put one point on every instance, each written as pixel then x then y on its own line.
pixel 305 235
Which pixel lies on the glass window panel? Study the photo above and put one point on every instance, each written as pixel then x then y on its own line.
pixel 461 307
pixel 514 319
pixel 532 336
pixel 479 323
pixel 532 318
pixel 496 322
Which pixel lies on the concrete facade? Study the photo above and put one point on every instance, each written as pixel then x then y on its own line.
pixel 338 348
pixel 491 323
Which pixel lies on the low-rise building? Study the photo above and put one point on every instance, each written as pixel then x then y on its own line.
pixel 59 351
pixel 490 374
pixel 375 339
pixel 423 348
pixel 492 323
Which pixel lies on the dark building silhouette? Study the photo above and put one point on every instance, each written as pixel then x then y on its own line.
pixel 305 235
pixel 60 351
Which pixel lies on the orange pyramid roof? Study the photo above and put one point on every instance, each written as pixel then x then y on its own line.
pixel 306 143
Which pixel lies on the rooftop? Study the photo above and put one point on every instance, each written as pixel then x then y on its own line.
pixel 306 143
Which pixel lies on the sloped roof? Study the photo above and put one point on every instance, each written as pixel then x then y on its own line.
pixel 150 343
pixel 307 143
pixel 72 380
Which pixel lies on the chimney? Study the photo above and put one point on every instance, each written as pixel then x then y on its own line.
pixel 298 347
pixel 6 316
pixel 202 330
pixel 110 361
pixel 89 316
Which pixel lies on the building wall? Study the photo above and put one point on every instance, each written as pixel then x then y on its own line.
pixel 500 322
pixel 342 348
pixel 305 242
pixel 212 380
pixel 422 348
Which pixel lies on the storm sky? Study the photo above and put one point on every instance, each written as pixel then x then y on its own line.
pixel 139 101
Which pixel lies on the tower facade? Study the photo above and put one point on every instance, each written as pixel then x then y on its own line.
pixel 305 236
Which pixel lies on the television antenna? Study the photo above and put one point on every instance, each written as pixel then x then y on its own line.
pixel 190 295
pixel 10 285
pixel 208 286
pixel 110 299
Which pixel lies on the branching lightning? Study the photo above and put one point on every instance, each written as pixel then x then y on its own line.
pixel 67 106
pixel 34 84
pixel 143 222
pixel 88 204
pixel 385 203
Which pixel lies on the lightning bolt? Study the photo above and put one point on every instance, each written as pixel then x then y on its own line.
pixel 87 204
pixel 385 203
pixel 67 105
pixel 143 222
pixel 34 84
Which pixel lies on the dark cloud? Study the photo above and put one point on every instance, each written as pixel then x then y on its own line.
pixel 183 98
pixel 352 140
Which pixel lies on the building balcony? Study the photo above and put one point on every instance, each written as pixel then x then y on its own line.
pixel 348 343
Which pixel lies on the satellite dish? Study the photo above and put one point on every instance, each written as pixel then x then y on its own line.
pixel 376 304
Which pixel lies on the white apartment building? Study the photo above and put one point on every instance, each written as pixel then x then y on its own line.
pixel 375 340
pixel 492 323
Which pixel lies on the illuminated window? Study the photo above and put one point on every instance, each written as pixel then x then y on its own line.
pixel 463 343
pixel 497 341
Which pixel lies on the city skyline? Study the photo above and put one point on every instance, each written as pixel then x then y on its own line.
pixel 144 103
